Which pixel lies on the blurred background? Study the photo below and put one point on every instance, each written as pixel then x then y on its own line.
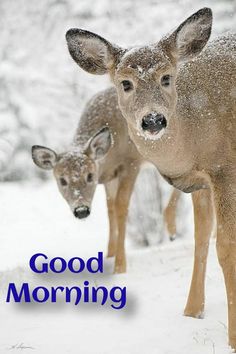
pixel 42 91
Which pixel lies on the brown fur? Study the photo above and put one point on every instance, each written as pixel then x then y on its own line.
pixel 117 171
pixel 198 147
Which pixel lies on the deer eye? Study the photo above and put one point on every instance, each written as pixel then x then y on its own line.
pixel 63 182
pixel 90 177
pixel 127 85
pixel 165 80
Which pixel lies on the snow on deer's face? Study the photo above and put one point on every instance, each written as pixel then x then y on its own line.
pixel 145 76
pixel 76 171
pixel 145 81
pixel 77 177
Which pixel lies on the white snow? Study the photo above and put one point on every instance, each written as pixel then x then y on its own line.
pixel 36 219
pixel 42 92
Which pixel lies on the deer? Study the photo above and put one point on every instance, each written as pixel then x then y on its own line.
pixel 179 100
pixel 101 152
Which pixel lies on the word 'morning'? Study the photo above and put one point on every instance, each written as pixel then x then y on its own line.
pixel 74 294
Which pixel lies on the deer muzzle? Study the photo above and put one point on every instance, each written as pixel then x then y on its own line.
pixel 82 212
pixel 153 122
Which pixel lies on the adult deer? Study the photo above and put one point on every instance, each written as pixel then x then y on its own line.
pixel 102 152
pixel 183 119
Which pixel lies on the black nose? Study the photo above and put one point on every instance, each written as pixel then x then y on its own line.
pixel 81 212
pixel 154 122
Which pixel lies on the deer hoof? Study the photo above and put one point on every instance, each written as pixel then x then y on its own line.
pixel 172 237
pixel 232 343
pixel 194 314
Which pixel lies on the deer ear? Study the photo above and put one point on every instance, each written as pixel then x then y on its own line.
pixel 99 145
pixel 192 35
pixel 91 52
pixel 43 157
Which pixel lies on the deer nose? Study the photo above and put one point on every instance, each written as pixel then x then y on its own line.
pixel 154 122
pixel 82 212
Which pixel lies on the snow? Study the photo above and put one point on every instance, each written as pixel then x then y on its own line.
pixel 36 219
pixel 42 93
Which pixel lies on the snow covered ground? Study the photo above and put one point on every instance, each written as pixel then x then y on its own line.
pixel 34 218
pixel 42 93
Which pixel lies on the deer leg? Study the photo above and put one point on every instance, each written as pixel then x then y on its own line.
pixel 122 203
pixel 170 214
pixel 225 204
pixel 111 191
pixel 203 221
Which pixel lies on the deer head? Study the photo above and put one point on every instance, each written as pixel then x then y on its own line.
pixel 145 76
pixel 76 171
